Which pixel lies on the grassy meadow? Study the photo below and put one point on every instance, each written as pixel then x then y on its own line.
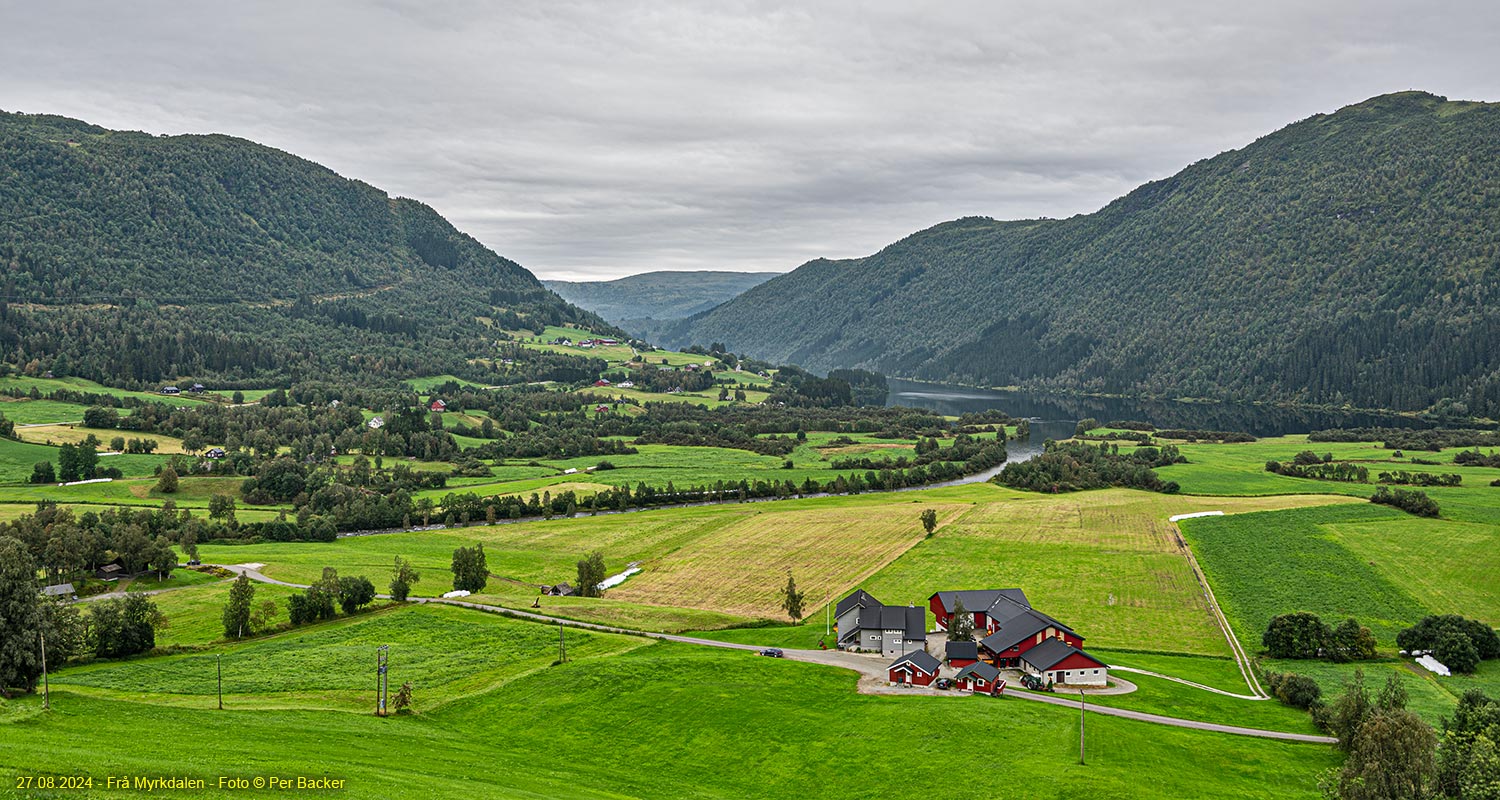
pixel 649 720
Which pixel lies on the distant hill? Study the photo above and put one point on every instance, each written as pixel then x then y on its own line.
pixel 1351 257
pixel 657 296
pixel 131 257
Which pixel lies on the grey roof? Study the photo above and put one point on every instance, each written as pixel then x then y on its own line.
pixel 858 599
pixel 57 589
pixel 1019 628
pixel 1046 655
pixel 912 621
pixel 962 650
pixel 983 599
pixel 982 670
pixel 920 659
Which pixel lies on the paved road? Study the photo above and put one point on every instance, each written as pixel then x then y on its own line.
pixel 870 668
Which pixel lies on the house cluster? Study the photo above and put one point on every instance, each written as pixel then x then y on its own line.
pixel 1008 635
pixel 196 388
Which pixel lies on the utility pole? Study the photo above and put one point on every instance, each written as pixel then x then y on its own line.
pixel 1080 726
pixel 562 645
pixel 219 660
pixel 46 688
pixel 380 685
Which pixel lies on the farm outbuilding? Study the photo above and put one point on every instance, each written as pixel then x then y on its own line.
pixel 1058 662
pixel 977 677
pixel 917 668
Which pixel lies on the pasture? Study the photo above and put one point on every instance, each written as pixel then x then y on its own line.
pixel 701 723
pixel 1261 565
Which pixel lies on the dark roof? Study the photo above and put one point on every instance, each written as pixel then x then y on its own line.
pixel 1019 628
pixel 983 599
pixel 1047 654
pixel 859 598
pixel 962 650
pixel 982 670
pixel 912 621
pixel 57 589
pixel 919 659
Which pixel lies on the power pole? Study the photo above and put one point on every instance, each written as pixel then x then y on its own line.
pixel 46 688
pixel 219 660
pixel 1080 726
pixel 562 645
pixel 380 685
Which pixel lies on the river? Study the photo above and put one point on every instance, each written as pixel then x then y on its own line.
pixel 1055 416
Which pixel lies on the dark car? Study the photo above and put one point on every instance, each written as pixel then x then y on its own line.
pixel 773 652
pixel 944 683
pixel 195 563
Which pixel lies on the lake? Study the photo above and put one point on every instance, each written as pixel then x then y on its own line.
pixel 1055 416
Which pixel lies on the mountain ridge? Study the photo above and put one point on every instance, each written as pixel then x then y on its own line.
pixel 1316 296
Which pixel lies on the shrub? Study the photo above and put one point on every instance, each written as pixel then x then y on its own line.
pixel 1297 635
pixel 1412 502
pixel 1297 691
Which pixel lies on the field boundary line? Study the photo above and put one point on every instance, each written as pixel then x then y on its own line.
pixel 1241 659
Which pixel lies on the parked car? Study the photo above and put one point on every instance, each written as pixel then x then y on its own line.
pixel 194 563
pixel 773 652
pixel 944 683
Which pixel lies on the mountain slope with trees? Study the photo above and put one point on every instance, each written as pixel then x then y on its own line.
pixel 1350 257
pixel 136 258
pixel 654 296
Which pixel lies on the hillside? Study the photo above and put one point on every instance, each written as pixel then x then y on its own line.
pixel 1349 257
pixel 138 258
pixel 655 296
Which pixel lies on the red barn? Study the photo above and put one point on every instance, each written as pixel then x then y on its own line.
pixel 1058 662
pixel 917 668
pixel 601 382
pixel 985 604
pixel 1016 635
pixel 438 405
pixel 961 654
pixel 977 677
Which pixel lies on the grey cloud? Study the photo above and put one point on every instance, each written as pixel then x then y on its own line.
pixel 601 139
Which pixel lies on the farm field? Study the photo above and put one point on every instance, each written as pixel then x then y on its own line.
pixel 73 434
pixel 1239 469
pixel 1261 565
pixel 729 559
pixel 18 458
pixel 1105 562
pixel 702 723
pixel 1432 697
pixel 25 411
pixel 47 385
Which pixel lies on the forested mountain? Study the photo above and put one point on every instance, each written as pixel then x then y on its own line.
pixel 1349 257
pixel 137 258
pixel 656 296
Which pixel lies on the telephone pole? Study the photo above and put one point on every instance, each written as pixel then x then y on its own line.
pixel 219 661
pixel 562 645
pixel 380 685
pixel 46 688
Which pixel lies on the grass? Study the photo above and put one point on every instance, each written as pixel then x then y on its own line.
pixel 49 385
pixel 1173 699
pixel 194 614
pixel 73 434
pixel 176 579
pixel 658 721
pixel 730 559
pixel 451 652
pixel 1104 562
pixel 1261 565
pixel 25 411
pixel 1429 696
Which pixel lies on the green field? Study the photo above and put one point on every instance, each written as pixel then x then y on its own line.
pixel 48 385
pixel 659 720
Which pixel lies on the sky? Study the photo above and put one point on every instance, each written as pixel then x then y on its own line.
pixel 588 141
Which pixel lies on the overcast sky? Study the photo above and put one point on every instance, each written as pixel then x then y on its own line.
pixel 594 140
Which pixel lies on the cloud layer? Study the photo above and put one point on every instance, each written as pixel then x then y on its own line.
pixel 594 140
